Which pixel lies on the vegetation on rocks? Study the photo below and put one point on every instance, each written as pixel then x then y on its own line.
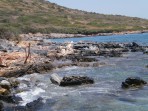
pixel 31 16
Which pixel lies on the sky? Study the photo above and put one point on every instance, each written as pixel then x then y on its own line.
pixel 133 8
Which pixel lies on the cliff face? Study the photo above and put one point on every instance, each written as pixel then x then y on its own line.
pixel 24 16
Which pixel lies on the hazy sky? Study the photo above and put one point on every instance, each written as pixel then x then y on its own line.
pixel 135 8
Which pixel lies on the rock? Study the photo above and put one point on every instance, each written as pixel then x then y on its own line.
pixel 135 47
pixel 55 79
pixel 85 59
pixel 29 69
pixel 71 80
pixel 111 45
pixel 7 98
pixel 89 52
pixel 4 91
pixel 80 46
pixel 115 53
pixel 1 106
pixel 14 82
pixel 35 104
pixel 112 53
pixel 76 80
pixel 5 84
pixel 133 82
pixel 125 50
pixel 3 49
pixel 32 106
pixel 145 52
pixel 134 44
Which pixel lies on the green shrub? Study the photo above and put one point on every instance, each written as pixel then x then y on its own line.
pixel 8 34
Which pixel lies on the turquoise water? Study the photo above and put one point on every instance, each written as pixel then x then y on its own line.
pixel 105 94
pixel 140 38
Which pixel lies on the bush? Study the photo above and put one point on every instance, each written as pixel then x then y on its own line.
pixel 9 35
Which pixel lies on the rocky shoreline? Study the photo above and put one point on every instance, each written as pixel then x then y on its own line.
pixel 40 36
pixel 45 56
pixel 35 55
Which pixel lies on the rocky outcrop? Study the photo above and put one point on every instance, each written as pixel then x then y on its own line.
pixel 133 82
pixel 44 54
pixel 29 69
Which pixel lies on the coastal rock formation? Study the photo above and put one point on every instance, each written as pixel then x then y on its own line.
pixel 45 54
pixel 133 82
pixel 71 80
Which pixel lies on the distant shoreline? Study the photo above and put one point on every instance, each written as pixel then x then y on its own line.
pixel 62 35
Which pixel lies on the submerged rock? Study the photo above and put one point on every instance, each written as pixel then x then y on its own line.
pixel 7 98
pixel 133 82
pixel 71 80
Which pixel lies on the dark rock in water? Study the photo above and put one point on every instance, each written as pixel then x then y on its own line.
pixel 136 48
pixel 71 80
pixel 7 98
pixel 112 45
pixel 112 53
pixel 32 106
pixel 35 104
pixel 133 82
pixel 85 59
pixel 134 44
pixel 125 50
pixel 145 52
pixel 115 54
pixel 76 80
pixel 80 46
pixel 1 106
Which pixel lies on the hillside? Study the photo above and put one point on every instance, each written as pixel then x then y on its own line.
pixel 24 16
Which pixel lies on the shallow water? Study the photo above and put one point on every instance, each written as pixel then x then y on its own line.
pixel 139 38
pixel 105 95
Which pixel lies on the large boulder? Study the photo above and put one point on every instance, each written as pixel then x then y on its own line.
pixel 71 80
pixel 76 80
pixel 132 82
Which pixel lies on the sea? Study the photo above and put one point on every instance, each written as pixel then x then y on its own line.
pixel 105 94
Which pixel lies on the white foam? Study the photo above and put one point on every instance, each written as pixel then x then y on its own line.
pixel 70 68
pixel 29 96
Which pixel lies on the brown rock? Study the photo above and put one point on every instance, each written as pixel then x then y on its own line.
pixel 4 91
